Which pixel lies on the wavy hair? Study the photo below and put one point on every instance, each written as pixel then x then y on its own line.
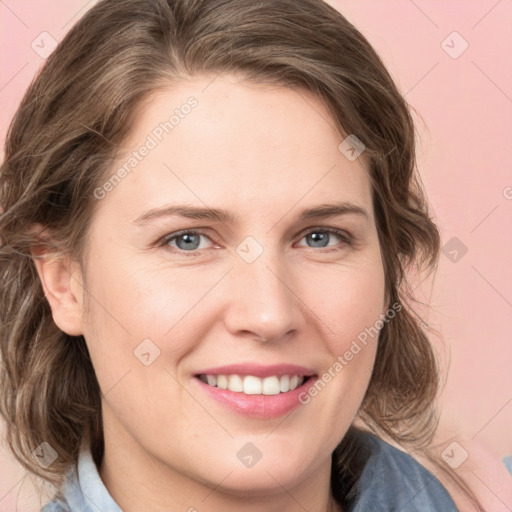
pixel 66 134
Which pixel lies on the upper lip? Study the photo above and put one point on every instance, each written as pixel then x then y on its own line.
pixel 258 370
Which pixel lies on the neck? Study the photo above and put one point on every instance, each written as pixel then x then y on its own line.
pixel 144 482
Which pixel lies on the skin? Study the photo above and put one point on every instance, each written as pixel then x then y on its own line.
pixel 264 153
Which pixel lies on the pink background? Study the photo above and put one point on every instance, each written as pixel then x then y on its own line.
pixel 465 157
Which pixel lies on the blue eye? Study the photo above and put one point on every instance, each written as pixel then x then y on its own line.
pixel 190 241
pixel 186 240
pixel 321 237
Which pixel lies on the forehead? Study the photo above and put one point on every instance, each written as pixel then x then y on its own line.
pixel 226 142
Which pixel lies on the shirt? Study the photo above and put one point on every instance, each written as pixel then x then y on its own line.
pixel 391 481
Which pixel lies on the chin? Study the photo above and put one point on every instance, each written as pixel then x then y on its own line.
pixel 258 481
pixel 267 475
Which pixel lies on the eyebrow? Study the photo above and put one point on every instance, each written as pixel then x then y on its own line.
pixel 224 216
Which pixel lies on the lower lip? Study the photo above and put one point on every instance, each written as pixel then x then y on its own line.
pixel 258 406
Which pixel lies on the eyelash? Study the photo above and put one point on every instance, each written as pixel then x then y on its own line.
pixel 163 242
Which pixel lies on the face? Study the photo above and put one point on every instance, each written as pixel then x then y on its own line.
pixel 219 294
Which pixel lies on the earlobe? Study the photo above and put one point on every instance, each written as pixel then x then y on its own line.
pixel 61 281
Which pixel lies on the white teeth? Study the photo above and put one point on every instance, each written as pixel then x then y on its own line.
pixel 284 384
pixel 222 382
pixel 235 383
pixel 271 386
pixel 294 381
pixel 251 385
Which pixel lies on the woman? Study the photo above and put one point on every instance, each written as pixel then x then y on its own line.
pixel 209 208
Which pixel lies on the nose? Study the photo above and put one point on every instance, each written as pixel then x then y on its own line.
pixel 263 300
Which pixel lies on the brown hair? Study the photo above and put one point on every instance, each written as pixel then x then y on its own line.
pixel 66 134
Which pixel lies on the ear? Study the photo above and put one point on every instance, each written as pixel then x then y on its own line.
pixel 61 279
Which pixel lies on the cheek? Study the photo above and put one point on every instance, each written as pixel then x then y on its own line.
pixel 351 306
pixel 349 314
pixel 130 303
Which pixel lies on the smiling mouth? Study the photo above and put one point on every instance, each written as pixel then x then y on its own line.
pixel 252 385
